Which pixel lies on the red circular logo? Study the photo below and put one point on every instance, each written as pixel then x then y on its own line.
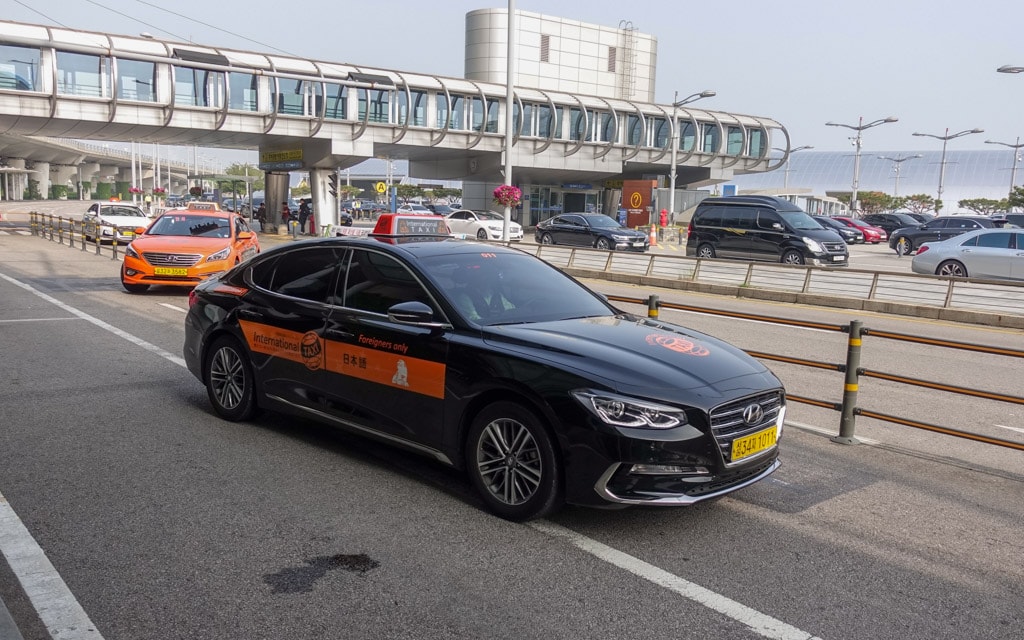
pixel 678 344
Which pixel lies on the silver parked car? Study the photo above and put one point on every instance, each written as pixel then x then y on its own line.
pixel 983 253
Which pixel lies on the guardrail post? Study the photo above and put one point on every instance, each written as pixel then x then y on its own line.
pixel 32 224
pixel 96 236
pixel 113 246
pixel 847 422
pixel 51 227
pixel 60 229
pixel 83 235
pixel 652 306
pixel 71 233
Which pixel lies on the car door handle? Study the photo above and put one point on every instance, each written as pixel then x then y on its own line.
pixel 338 334
pixel 248 314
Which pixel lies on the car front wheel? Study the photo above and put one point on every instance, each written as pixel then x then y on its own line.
pixel 603 244
pixel 792 257
pixel 705 251
pixel 952 268
pixel 481 234
pixel 512 463
pixel 229 380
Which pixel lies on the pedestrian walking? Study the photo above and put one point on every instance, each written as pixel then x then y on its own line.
pixel 303 215
pixel 286 215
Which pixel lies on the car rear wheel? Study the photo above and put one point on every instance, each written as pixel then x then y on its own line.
pixel 792 257
pixel 481 234
pixel 705 251
pixel 229 380
pixel 904 246
pixel 952 268
pixel 603 244
pixel 547 239
pixel 512 463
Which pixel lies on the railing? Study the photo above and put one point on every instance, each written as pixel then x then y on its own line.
pixel 853 372
pixel 885 291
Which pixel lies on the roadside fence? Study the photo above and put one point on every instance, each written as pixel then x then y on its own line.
pixel 849 408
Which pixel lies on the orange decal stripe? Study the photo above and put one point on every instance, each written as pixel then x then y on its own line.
pixel 383 367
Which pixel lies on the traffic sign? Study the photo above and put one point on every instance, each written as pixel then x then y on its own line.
pixel 381 187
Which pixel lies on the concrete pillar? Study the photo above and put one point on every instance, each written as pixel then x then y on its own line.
pixel 18 181
pixel 276 192
pixel 87 172
pixel 41 173
pixel 62 173
pixel 325 205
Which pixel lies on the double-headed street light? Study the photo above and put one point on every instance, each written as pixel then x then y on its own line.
pixel 785 179
pixel 859 127
pixel 1016 157
pixel 1010 69
pixel 898 160
pixel 675 143
pixel 942 163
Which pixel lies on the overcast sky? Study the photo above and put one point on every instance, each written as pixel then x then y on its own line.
pixel 931 63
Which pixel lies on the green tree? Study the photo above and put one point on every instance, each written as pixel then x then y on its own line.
pixel 1016 199
pixel 874 201
pixel 447 192
pixel 984 206
pixel 301 191
pixel 348 191
pixel 407 191
pixel 240 169
pixel 921 203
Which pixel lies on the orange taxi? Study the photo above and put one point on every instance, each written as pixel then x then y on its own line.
pixel 183 247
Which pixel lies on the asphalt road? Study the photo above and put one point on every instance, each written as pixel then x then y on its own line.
pixel 165 522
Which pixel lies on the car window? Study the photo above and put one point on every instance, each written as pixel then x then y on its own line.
pixel 962 224
pixel 306 273
pixel 765 219
pixel 575 221
pixel 603 222
pixel 711 216
pixel 936 224
pixel 994 240
pixel 799 220
pixel 375 282
pixel 174 224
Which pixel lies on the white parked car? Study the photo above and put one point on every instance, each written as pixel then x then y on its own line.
pixel 415 208
pixel 119 219
pixel 484 225
pixel 983 253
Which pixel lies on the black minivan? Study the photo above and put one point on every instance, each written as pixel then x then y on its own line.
pixel 762 228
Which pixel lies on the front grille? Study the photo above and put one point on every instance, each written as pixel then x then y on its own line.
pixel 835 247
pixel 171 259
pixel 727 422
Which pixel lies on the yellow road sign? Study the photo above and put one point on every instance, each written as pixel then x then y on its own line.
pixel 381 187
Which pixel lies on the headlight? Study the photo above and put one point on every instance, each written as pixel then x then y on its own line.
pixel 623 411
pixel 617 238
pixel 814 245
pixel 220 255
pixel 129 251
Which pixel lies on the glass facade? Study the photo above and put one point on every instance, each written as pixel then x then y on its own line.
pixel 19 68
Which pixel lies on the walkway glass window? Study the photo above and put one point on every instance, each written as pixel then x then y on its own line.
pixel 291 97
pixel 484 115
pixel 378 102
pixel 734 141
pixel 136 80
pixel 662 133
pixel 524 123
pixel 198 87
pixel 80 74
pixel 549 122
pixel 416 115
pixel 635 127
pixel 712 138
pixel 609 128
pixel 758 142
pixel 19 68
pixel 242 91
pixel 687 136
pixel 336 97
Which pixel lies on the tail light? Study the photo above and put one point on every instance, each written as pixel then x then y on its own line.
pixel 191 298
pixel 689 228
pixel 922 249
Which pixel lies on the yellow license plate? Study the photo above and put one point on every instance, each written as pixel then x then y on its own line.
pixel 170 271
pixel 754 443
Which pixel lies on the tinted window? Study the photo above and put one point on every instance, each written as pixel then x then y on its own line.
pixel 711 216
pixel 799 220
pixel 765 219
pixel 994 240
pixel 738 217
pixel 936 224
pixel 375 282
pixel 306 273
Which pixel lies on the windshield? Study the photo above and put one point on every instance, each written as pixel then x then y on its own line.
pixel 510 288
pixel 603 222
pixel 799 220
pixel 489 215
pixel 124 212
pixel 191 225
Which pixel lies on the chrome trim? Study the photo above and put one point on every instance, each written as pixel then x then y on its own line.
pixel 433 453
pixel 673 500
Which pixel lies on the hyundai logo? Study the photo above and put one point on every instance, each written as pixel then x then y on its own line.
pixel 753 414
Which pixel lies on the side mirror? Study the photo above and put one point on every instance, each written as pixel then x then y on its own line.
pixel 777 226
pixel 244 235
pixel 140 230
pixel 413 312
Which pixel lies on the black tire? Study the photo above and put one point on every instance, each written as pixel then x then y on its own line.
pixel 547 239
pixel 229 380
pixel 705 251
pixel 512 463
pixel 952 269
pixel 792 257
pixel 603 244
pixel 907 245
pixel 481 234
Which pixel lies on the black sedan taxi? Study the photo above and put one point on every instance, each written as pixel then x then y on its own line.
pixel 590 230
pixel 489 360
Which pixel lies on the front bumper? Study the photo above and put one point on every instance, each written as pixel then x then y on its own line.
pixel 633 245
pixel 138 271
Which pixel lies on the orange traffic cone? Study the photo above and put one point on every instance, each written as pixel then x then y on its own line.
pixel 654 235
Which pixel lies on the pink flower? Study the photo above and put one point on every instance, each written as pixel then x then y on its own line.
pixel 507 196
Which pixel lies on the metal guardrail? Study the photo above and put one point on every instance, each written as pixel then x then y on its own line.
pixel 853 372
pixel 914 289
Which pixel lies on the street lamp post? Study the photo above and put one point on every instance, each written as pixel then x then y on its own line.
pixel 785 179
pixel 859 128
pixel 1006 68
pixel 942 163
pixel 1016 157
pixel 898 160
pixel 676 103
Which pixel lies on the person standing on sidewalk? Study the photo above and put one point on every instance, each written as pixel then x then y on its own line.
pixel 286 215
pixel 303 215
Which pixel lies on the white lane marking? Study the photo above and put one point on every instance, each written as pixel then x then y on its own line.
pixel 167 355
pixel 175 307
pixel 56 606
pixel 1003 426
pixel 758 622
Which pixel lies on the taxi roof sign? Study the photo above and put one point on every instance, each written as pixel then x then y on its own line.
pixel 410 224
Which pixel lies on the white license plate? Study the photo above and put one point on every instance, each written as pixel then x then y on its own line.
pixel 838 258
